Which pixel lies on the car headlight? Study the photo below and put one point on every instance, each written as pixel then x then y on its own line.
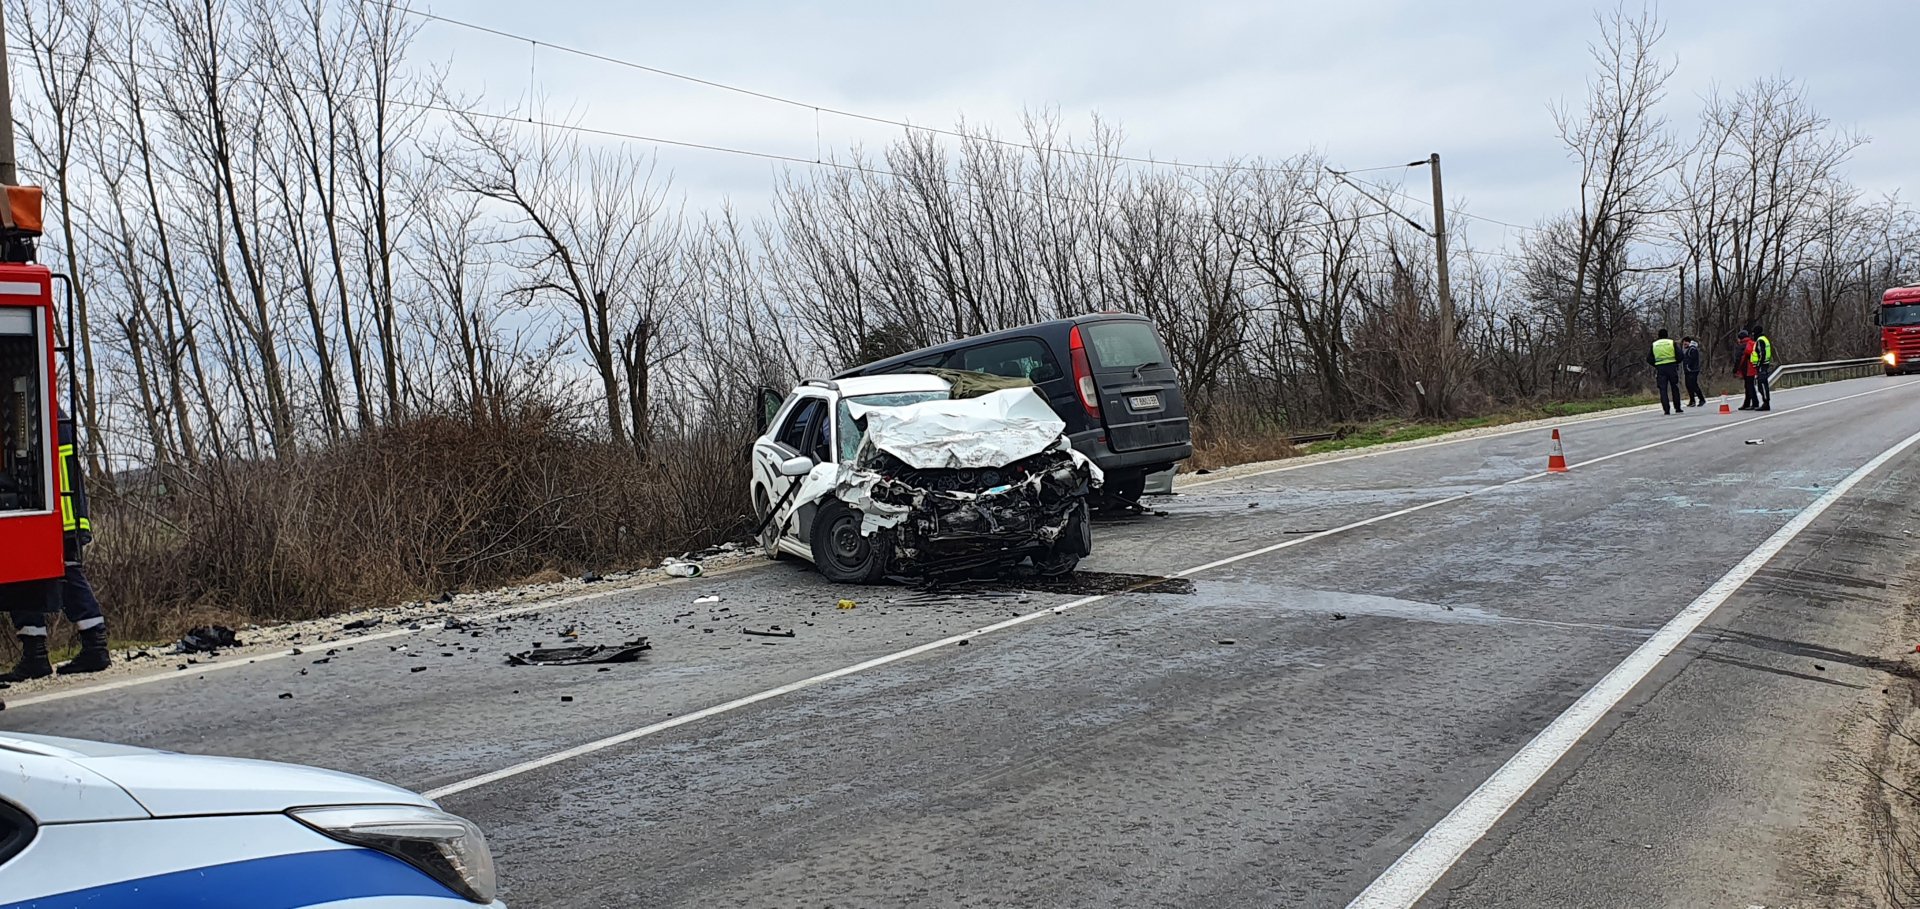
pixel 448 848
pixel 1892 358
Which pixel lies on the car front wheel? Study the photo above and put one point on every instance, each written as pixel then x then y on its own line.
pixel 843 553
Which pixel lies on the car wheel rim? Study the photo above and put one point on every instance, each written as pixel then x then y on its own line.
pixel 846 541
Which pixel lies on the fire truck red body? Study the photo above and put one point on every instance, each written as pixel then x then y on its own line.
pixel 30 517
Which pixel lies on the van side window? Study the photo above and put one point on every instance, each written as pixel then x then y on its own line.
pixel 801 423
pixel 1020 358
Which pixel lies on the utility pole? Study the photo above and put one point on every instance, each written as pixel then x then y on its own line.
pixel 9 174
pixel 1440 254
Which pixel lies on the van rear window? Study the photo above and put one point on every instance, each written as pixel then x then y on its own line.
pixel 1122 345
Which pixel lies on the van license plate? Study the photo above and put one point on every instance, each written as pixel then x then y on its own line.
pixel 1144 402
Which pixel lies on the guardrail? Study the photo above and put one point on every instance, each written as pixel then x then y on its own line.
pixel 1864 366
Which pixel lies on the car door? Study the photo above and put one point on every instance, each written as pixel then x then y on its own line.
pixel 1140 398
pixel 796 432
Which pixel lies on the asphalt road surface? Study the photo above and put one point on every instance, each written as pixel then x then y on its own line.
pixel 1633 684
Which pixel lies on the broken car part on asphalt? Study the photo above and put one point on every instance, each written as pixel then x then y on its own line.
pixel 206 639
pixel 582 655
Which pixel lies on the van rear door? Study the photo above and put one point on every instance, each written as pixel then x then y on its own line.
pixel 1140 399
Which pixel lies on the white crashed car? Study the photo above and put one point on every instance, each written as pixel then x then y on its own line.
pixel 86 824
pixel 885 476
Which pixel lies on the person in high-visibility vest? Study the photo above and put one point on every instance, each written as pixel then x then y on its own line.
pixel 1665 359
pixel 1743 367
pixel 1763 367
pixel 29 604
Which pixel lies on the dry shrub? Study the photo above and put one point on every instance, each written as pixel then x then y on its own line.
pixel 436 503
pixel 1236 437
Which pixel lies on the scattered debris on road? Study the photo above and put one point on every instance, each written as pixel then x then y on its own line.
pixel 773 632
pixel 846 604
pixel 207 639
pixel 705 600
pixel 1338 616
pixel 286 695
pixel 1756 441
pixel 363 624
pixel 680 569
pixel 1225 641
pixel 582 655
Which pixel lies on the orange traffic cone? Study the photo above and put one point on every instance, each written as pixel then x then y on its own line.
pixel 1557 462
pixel 1724 406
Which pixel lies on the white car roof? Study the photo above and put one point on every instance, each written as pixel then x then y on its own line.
pixel 890 384
pixel 61 777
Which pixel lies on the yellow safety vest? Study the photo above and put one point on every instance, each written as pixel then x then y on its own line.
pixel 1663 353
pixel 1762 350
pixel 71 518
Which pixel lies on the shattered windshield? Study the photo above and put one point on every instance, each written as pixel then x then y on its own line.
pixel 850 433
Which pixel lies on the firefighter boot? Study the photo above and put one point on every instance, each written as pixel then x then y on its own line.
pixel 33 660
pixel 93 653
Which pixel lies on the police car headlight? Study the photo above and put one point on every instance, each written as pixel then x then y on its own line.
pixel 448 848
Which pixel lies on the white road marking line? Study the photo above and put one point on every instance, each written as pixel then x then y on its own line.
pixel 1421 867
pixel 630 735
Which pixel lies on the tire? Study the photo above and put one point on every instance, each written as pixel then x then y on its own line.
pixel 1075 543
pixel 769 533
pixel 1056 564
pixel 844 555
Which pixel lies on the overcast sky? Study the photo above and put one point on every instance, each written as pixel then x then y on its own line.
pixel 1367 82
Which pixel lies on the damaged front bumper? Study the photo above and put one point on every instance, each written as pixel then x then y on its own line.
pixel 951 520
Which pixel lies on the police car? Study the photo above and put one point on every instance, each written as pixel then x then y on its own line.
pixel 87 824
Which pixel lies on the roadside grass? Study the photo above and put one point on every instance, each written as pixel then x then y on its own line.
pixel 1383 432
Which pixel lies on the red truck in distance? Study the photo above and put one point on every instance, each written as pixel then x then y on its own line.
pixel 1899 321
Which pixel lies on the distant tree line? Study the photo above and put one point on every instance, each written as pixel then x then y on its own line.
pixel 286 233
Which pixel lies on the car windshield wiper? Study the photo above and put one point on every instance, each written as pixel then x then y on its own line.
pixel 1137 369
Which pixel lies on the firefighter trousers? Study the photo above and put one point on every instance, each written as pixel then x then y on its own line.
pixel 28 604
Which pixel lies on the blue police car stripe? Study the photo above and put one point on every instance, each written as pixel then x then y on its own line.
pixel 277 882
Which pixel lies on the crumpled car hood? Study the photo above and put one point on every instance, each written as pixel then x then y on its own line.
pixel 992 430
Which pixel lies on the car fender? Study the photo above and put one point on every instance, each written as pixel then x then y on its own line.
pixel 262 861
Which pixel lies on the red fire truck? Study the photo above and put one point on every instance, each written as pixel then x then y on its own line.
pixel 1899 321
pixel 31 478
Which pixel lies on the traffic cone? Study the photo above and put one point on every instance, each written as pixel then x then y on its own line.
pixel 1724 406
pixel 1557 462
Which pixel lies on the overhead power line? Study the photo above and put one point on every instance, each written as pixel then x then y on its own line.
pixel 1453 212
pixel 817 108
pixel 528 121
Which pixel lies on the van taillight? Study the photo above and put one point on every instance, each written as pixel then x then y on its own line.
pixel 1083 374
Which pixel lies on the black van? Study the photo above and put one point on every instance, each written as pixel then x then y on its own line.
pixel 1107 375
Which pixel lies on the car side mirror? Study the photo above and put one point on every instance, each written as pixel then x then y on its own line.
pixel 798 466
pixel 769 404
pixel 1876 317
